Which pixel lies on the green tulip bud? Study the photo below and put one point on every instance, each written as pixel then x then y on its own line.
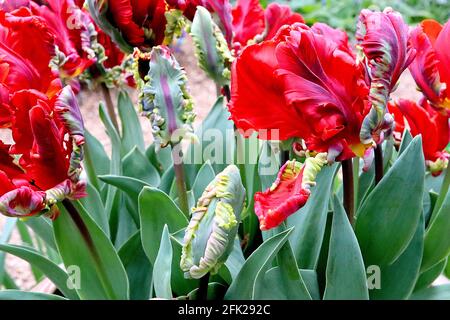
pixel 210 235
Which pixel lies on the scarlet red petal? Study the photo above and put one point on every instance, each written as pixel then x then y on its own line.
pixel 122 13
pixel 48 164
pixel 248 21
pixel 278 15
pixel 260 105
pixel 283 199
pixel 429 123
pixel 424 68
pixel 442 47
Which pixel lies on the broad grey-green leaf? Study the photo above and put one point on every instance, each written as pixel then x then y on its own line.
pixel 437 245
pixel 310 221
pixel 390 214
pixel 345 274
pixel 398 279
pixel 139 269
pixel 163 267
pixel 441 292
pixel 53 272
pixel 136 165
pixel 243 287
pixel 102 275
pixel 156 209
pixel 131 127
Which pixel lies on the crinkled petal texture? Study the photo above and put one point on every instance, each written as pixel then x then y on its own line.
pixel 313 89
pixel 48 136
pixel 260 105
pixel 383 37
pixel 434 128
pixel 141 22
pixel 327 89
pixel 27 46
pixel 430 68
pixel 74 34
pixel 251 20
pixel 248 21
pixel 276 16
pixel 289 192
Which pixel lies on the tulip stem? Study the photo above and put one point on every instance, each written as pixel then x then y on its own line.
pixel 349 189
pixel 180 180
pixel 110 106
pixel 202 293
pixel 379 166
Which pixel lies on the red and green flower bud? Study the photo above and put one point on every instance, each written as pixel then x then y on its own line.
pixel 211 233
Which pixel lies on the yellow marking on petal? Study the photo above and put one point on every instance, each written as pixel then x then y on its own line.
pixel 359 149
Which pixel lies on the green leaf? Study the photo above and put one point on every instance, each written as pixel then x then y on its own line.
pixel 398 279
pixel 54 273
pixel 23 295
pixel 115 164
pixel 427 278
pixel 216 291
pixel 42 227
pixel 406 140
pixel 139 269
pixel 167 180
pixel 433 293
pixel 268 166
pixel 390 215
pixel 96 161
pixel 156 209
pixel 8 228
pixel 243 287
pixel 136 165
pixel 132 135
pixel 346 274
pixel 310 221
pixel 291 278
pixel 274 289
pixel 94 206
pixel 162 269
pixel 102 275
pixel 205 175
pixel 216 127
pixel 437 246
pixel 131 187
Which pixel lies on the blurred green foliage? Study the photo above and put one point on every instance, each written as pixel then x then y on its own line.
pixel 344 13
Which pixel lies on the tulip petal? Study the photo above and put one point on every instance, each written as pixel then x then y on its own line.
pixel 22 202
pixel 248 21
pixel 289 192
pixel 278 15
pixel 383 37
pixel 260 105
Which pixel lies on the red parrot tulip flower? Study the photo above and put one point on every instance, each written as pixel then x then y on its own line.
pixel 131 23
pixel 251 20
pixel 432 125
pixel 430 69
pixel 43 165
pixel 74 35
pixel 314 89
